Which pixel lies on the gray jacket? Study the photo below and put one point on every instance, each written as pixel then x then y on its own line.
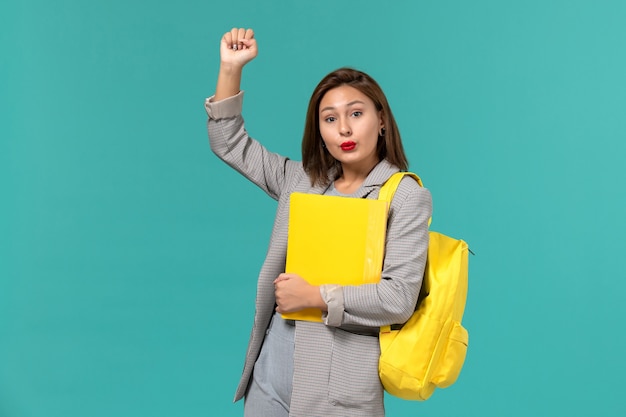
pixel 335 371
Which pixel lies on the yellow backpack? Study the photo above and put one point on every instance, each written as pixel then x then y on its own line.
pixel 428 351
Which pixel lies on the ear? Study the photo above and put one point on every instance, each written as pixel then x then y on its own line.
pixel 381 116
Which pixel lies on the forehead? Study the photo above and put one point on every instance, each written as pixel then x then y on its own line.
pixel 343 96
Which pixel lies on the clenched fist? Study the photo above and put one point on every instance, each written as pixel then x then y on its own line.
pixel 238 47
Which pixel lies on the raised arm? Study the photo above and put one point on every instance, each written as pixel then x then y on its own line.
pixel 228 137
pixel 238 47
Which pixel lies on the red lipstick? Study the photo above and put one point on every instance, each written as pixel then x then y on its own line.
pixel 348 145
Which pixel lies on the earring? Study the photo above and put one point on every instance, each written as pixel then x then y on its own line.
pixel 382 132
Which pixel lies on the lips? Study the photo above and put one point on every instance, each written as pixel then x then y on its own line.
pixel 348 146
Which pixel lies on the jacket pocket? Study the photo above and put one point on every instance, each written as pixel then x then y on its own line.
pixel 353 380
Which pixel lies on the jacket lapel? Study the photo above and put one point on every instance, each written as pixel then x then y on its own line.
pixel 376 178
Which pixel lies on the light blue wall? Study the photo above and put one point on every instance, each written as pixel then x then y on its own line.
pixel 127 287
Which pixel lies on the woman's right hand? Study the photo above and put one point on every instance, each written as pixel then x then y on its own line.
pixel 238 47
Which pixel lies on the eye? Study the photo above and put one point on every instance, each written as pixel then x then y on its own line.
pixel 357 113
pixel 330 119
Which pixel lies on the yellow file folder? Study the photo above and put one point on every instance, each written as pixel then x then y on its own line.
pixel 335 240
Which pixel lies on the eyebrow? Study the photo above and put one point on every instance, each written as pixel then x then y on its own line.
pixel 347 105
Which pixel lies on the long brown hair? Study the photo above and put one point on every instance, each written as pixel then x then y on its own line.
pixel 316 159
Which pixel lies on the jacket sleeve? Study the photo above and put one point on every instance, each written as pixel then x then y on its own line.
pixel 393 299
pixel 229 140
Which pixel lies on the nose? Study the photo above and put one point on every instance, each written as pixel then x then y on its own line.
pixel 344 128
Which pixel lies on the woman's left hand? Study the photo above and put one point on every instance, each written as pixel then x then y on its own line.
pixel 293 293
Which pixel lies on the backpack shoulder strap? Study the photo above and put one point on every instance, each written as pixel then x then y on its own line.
pixel 386 193
pixel 389 188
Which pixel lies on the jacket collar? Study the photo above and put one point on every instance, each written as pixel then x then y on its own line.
pixel 380 174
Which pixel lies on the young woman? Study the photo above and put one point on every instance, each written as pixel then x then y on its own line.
pixel 351 146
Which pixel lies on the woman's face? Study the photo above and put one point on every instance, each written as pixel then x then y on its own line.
pixel 350 125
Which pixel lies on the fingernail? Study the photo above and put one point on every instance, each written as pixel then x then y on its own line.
pixel 234 46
